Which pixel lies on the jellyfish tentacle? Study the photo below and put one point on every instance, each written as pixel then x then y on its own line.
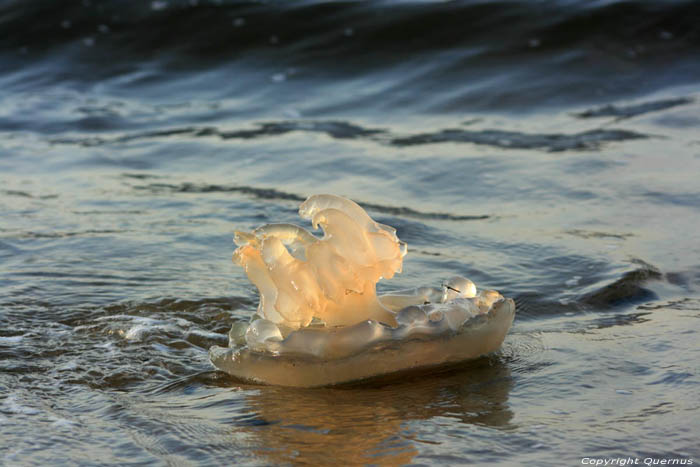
pixel 300 276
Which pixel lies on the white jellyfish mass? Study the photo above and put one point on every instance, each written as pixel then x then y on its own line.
pixel 320 321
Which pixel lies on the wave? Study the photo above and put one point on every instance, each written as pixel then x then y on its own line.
pixel 371 31
pixel 273 194
pixel 633 110
pixel 586 140
pixel 629 288
pixel 552 142
pixel 427 56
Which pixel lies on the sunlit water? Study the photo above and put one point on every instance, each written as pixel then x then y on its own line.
pixel 551 153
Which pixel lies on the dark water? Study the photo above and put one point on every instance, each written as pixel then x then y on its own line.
pixel 550 150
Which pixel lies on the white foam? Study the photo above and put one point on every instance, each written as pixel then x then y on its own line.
pixel 11 339
pixel 58 422
pixel 573 281
pixel 11 405
pixel 68 366
pixel 136 333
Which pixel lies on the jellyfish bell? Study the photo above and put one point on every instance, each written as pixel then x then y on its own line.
pixel 320 320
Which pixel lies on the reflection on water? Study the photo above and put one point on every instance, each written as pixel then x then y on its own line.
pixel 374 423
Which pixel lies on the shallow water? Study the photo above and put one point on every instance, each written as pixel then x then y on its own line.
pixel 549 151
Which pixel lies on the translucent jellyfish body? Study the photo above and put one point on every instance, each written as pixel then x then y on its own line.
pixel 320 321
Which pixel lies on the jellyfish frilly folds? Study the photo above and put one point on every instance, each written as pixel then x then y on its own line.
pixel 320 321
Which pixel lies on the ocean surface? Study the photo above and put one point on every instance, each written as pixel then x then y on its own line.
pixel 546 149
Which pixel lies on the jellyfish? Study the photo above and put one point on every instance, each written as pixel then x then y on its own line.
pixel 320 321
